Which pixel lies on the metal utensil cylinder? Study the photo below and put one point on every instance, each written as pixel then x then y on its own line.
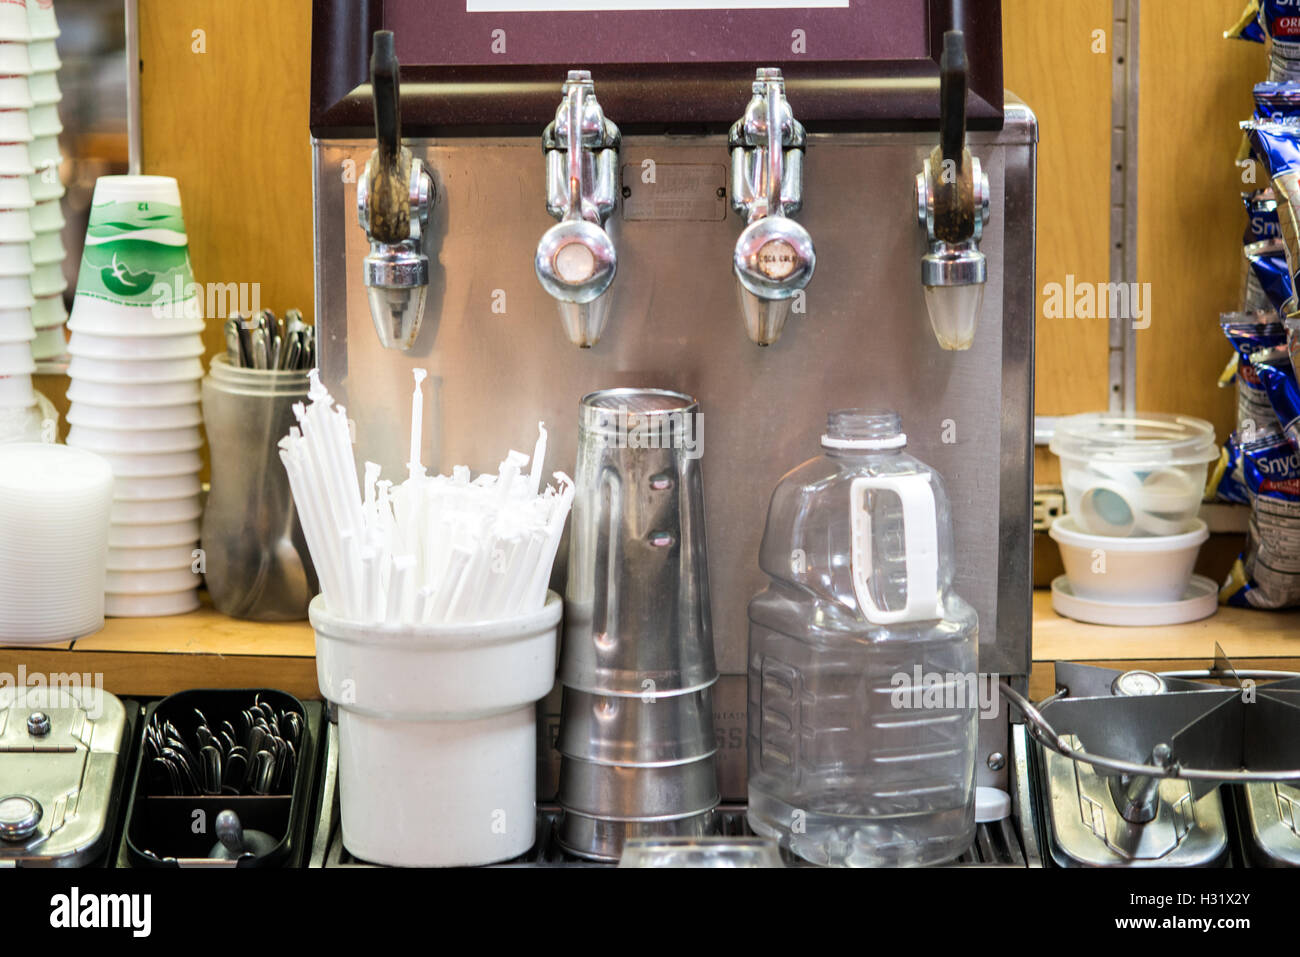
pixel 257 565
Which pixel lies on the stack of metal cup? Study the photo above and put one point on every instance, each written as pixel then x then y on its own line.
pixel 637 667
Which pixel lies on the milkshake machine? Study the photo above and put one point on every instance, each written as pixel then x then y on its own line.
pixel 779 210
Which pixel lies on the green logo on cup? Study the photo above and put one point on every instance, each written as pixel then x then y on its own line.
pixel 118 278
pixel 131 247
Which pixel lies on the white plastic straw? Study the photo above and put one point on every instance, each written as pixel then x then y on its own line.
pixel 434 548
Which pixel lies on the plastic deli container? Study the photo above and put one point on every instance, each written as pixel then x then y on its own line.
pixel 1134 475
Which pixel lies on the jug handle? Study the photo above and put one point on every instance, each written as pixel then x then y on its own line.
pixel 920 545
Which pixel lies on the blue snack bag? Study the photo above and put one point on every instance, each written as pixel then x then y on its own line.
pixel 1227 482
pixel 1275 372
pixel 1247 27
pixel 1261 217
pixel 1268 266
pixel 1281 22
pixel 1267 573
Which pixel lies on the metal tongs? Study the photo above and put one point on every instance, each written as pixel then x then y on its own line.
pixel 263 341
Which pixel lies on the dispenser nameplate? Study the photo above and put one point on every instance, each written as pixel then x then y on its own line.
pixel 690 192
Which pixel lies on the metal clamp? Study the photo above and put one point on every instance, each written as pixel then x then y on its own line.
pixel 576 259
pixel 774 257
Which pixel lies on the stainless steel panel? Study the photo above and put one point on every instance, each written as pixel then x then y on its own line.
pixel 499 360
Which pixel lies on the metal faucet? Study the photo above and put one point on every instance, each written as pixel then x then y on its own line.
pixel 952 195
pixel 394 198
pixel 774 256
pixel 576 260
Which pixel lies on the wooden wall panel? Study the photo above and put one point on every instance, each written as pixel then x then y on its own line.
pixel 225 112
pixel 1195 88
pixel 1050 63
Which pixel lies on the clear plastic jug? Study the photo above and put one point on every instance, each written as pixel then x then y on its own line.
pixel 862 660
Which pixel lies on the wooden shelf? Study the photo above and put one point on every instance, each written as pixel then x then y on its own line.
pixel 158 656
pixel 1264 639
pixel 204 649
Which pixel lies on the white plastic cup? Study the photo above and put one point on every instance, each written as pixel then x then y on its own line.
pixel 155 466
pixel 47 247
pixel 150 489
pixel 44 120
pixel 437 746
pixel 16 259
pixel 162 559
pixel 127 372
pixel 160 582
pixel 14 57
pixel 159 512
pixel 133 395
pixel 16 359
pixel 16 225
pixel 44 56
pixel 41 20
pixel 15 191
pixel 43 87
pixel 135 441
pixel 14 125
pixel 46 184
pixel 147 418
pixel 48 280
pixel 1127 571
pixel 48 311
pixel 47 216
pixel 16 325
pixel 15 94
pixel 135 347
pixel 16 391
pixel 43 151
pixel 49 343
pixel 15 21
pixel 151 606
pixel 15 160
pixel 154 535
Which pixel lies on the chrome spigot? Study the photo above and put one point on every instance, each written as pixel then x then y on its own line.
pixel 576 260
pixel 774 256
pixel 952 195
pixel 394 198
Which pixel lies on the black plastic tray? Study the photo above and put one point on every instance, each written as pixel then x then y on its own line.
pixel 178 831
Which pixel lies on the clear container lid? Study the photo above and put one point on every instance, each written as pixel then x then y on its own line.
pixel 1140 438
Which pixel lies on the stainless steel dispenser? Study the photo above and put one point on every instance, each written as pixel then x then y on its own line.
pixel 952 192
pixel 394 196
pixel 576 260
pixel 867 98
pixel 774 257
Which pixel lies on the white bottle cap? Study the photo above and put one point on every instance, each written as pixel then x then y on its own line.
pixel 991 804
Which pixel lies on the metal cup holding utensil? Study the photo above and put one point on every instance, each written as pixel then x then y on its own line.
pixel 257 565
pixel 636 736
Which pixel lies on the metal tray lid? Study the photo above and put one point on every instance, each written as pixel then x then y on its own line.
pixel 59 756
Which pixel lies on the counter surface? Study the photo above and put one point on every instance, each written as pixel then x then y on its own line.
pixel 157 656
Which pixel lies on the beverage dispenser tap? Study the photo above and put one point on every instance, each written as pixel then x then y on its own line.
pixel 953 205
pixel 394 198
pixel 774 256
pixel 576 260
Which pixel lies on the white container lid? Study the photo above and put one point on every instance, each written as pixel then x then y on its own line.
pixel 1134 440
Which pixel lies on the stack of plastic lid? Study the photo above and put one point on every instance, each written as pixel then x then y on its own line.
pixel 54 519
pixel 135 370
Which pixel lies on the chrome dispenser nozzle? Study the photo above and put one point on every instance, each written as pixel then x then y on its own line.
pixel 394 197
pixel 576 259
pixel 774 256
pixel 952 193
